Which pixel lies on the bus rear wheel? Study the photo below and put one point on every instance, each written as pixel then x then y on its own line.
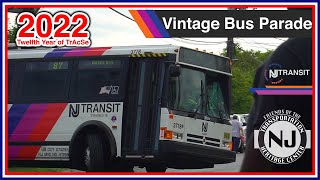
pixel 94 153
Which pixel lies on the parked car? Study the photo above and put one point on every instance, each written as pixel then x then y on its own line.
pixel 241 118
pixel 244 136
pixel 244 127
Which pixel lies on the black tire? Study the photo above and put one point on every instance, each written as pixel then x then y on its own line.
pixel 156 168
pixel 118 166
pixel 97 153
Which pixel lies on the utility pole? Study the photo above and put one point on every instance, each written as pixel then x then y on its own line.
pixel 231 49
pixel 230 45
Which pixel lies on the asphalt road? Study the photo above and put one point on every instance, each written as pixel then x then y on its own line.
pixel 230 167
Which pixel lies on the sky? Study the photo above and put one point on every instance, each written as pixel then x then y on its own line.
pixel 111 29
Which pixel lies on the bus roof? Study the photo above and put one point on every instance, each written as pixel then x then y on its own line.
pixel 92 51
pixel 186 56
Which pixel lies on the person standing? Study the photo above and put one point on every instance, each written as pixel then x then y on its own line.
pixel 236 128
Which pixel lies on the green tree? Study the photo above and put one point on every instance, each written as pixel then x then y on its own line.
pixel 13 28
pixel 243 72
pixel 12 32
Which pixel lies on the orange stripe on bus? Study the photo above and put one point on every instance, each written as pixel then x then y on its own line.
pixel 142 25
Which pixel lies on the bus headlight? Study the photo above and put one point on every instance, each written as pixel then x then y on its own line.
pixel 176 135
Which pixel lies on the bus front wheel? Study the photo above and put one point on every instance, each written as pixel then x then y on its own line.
pixel 94 153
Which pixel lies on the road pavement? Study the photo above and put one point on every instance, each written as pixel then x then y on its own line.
pixel 230 167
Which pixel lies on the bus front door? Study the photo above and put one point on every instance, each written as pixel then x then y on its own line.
pixel 140 132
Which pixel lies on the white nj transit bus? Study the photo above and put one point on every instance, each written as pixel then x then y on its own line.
pixel 113 108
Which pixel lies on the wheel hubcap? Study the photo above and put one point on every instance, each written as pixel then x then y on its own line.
pixel 87 157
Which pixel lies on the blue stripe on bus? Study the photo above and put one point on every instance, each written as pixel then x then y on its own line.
pixel 15 114
pixel 57 53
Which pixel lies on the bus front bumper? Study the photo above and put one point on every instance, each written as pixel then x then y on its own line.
pixel 187 152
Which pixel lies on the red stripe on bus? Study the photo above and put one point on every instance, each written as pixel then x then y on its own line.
pixel 95 51
pixel 45 125
pixel 46 122
pixel 29 152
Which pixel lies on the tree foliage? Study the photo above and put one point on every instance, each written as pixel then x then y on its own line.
pixel 13 28
pixel 12 32
pixel 243 72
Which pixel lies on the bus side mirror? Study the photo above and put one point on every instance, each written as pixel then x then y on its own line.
pixel 174 70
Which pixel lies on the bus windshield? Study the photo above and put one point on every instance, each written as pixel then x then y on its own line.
pixel 185 91
pixel 194 91
pixel 216 104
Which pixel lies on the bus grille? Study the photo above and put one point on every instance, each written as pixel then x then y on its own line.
pixel 203 140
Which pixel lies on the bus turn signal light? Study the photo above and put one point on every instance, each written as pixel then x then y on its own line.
pixel 167 134
pixel 230 145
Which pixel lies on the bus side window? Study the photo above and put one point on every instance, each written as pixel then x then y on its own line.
pixel 45 80
pixel 95 83
pixel 100 79
pixel 11 69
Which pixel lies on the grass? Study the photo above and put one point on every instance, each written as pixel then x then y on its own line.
pixel 24 169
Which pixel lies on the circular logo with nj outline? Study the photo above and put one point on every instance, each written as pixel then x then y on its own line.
pixel 282 138
pixel 271 74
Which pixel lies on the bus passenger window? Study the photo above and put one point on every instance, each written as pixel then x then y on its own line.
pixel 45 79
pixel 97 79
pixel 10 78
pixel 96 83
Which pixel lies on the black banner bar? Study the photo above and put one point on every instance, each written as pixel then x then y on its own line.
pixel 237 23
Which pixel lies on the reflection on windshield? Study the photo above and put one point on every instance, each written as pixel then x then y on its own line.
pixel 185 91
pixel 216 106
pixel 185 94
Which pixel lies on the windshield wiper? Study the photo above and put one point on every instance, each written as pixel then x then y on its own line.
pixel 200 96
